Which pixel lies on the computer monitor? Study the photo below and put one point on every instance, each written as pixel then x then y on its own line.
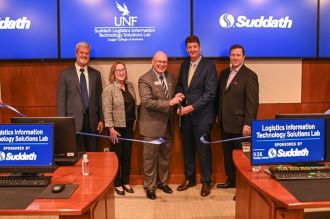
pixel 288 141
pixel 125 29
pixel 31 27
pixel 276 26
pixel 324 116
pixel 64 133
pixel 26 148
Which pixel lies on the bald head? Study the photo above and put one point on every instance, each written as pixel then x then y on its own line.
pixel 159 62
pixel 160 55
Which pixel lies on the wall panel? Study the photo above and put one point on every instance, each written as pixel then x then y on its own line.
pixel 31 87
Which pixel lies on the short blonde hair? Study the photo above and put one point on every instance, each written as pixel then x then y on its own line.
pixel 113 69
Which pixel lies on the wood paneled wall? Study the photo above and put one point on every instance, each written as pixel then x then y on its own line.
pixel 31 87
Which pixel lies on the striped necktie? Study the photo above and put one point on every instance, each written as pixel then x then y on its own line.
pixel 167 96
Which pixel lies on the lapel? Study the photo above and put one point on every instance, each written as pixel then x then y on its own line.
pixel 90 80
pixel 130 89
pixel 236 79
pixel 156 83
pixel 169 84
pixel 76 79
pixel 185 73
pixel 225 79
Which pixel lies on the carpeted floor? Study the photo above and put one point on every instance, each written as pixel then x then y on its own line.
pixel 187 204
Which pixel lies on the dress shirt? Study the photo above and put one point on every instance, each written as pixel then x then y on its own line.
pixel 192 69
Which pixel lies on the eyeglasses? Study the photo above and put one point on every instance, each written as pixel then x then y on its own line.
pixel 160 62
pixel 120 70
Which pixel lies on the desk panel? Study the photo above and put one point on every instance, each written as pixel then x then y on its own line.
pixel 258 195
pixel 94 197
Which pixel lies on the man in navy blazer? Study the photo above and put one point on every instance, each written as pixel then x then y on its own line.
pixel 70 101
pixel 238 105
pixel 198 83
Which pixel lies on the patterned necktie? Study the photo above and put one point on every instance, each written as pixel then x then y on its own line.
pixel 83 87
pixel 164 87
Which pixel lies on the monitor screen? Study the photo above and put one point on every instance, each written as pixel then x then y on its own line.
pixel 125 29
pixel 287 141
pixel 324 46
pixel 64 132
pixel 274 28
pixel 28 29
pixel 26 148
pixel 324 116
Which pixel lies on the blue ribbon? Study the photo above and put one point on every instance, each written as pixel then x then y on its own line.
pixel 6 106
pixel 159 140
pixel 203 140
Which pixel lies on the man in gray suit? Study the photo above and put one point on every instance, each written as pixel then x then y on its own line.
pixel 79 95
pixel 157 89
pixel 238 106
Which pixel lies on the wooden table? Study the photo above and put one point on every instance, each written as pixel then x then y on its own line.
pixel 94 197
pixel 258 195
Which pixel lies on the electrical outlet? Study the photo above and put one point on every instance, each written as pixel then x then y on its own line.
pixel 106 149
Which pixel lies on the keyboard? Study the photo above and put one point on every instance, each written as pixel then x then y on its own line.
pixel 21 181
pixel 68 160
pixel 296 172
pixel 65 161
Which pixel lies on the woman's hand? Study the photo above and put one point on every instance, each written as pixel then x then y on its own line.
pixel 114 135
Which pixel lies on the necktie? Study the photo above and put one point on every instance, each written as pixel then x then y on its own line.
pixel 83 88
pixel 191 73
pixel 164 87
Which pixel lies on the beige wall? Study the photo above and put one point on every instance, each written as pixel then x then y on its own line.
pixel 279 80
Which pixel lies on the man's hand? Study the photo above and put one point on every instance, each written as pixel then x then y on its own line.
pixel 175 100
pixel 186 110
pixel 246 130
pixel 180 95
pixel 100 127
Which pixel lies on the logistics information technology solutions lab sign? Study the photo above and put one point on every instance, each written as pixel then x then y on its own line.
pixel 26 144
pixel 287 141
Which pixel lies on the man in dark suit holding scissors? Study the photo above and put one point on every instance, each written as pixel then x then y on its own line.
pixel 238 105
pixel 198 83
pixel 79 95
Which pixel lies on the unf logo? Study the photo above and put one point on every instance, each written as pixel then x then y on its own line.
pixel 125 19
pixel 226 20
pixel 272 153
pixel 2 156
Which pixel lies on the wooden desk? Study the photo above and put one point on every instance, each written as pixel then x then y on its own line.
pixel 94 197
pixel 258 195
